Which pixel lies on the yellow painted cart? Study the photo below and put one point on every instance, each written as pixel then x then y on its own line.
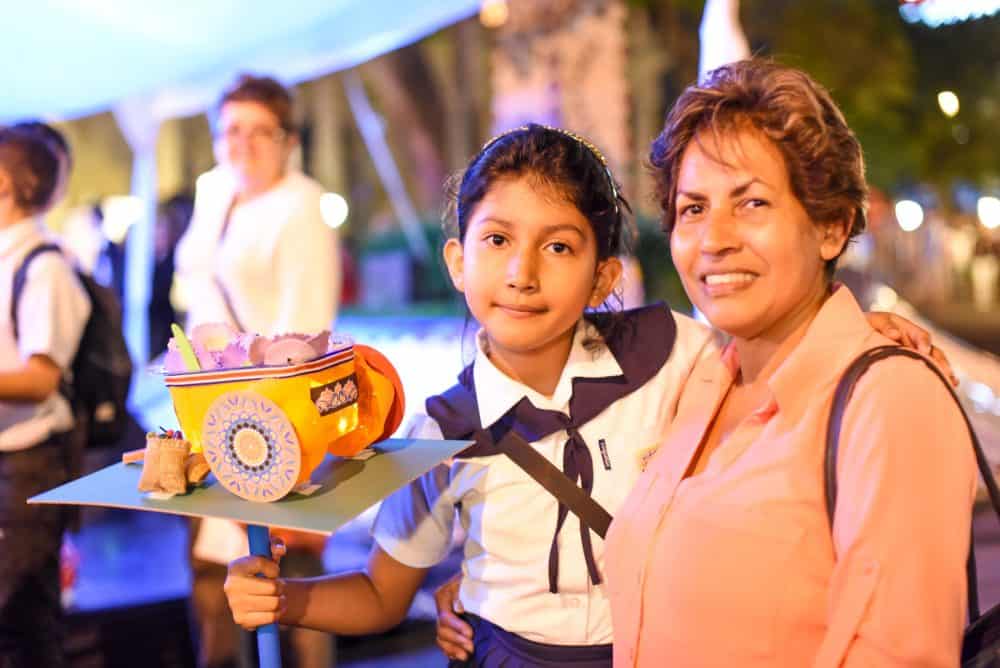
pixel 264 430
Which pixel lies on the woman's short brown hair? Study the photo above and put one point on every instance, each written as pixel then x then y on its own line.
pixel 825 164
pixel 264 91
pixel 32 165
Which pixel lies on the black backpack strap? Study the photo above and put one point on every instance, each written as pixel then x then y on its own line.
pixel 21 278
pixel 840 398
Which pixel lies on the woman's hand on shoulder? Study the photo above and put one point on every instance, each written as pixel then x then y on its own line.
pixel 910 335
pixel 454 635
pixel 255 593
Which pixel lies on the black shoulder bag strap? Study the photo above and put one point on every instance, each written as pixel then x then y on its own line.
pixel 461 405
pixel 545 473
pixel 21 279
pixel 840 398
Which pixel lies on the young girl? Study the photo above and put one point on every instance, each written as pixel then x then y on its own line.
pixel 540 222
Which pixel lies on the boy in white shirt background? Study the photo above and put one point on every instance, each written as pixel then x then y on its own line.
pixel 36 421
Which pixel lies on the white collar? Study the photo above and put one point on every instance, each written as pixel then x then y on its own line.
pixel 496 392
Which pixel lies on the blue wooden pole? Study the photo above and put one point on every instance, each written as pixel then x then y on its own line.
pixel 268 643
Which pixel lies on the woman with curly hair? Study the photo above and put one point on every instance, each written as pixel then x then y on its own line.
pixel 723 554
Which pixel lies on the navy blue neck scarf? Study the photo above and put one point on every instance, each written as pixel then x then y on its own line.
pixel 641 346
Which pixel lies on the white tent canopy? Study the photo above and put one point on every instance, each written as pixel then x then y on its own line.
pixel 67 58
pixel 151 60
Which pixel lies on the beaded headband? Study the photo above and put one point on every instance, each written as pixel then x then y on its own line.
pixel 596 152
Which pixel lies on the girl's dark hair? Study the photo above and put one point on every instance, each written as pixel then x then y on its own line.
pixel 562 161
pixel 568 164
pixel 33 167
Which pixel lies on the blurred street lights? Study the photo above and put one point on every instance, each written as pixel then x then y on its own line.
pixel 494 13
pixel 988 210
pixel 909 214
pixel 334 209
pixel 948 102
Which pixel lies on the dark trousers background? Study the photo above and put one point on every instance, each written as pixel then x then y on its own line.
pixel 31 625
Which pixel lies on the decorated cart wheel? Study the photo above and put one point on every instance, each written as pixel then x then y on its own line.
pixel 251 446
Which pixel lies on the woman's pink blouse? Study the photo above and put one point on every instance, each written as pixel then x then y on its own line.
pixel 737 566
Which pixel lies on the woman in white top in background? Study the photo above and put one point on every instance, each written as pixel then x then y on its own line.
pixel 258 256
pixel 257 253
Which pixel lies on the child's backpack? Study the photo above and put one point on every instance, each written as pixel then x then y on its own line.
pixel 102 368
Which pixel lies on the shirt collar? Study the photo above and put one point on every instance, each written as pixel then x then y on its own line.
pixel 729 369
pixel 13 236
pixel 497 393
pixel 829 344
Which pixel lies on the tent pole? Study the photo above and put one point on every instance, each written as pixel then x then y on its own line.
pixel 141 128
pixel 370 126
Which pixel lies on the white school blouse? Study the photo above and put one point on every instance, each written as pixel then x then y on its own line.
pixel 278 261
pixel 52 313
pixel 508 518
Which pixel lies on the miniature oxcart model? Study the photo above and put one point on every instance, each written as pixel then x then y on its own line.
pixel 265 429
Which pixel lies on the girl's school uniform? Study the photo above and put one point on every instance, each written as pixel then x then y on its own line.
pixel 626 389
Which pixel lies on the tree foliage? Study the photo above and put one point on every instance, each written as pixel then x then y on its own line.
pixel 884 73
pixel 861 54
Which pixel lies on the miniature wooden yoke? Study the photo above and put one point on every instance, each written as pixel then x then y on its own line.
pixel 265 429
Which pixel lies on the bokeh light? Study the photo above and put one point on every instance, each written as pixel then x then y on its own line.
pixel 988 210
pixel 494 13
pixel 120 213
pixel 909 214
pixel 948 102
pixel 334 209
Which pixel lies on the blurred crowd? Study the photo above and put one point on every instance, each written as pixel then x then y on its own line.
pixel 949 257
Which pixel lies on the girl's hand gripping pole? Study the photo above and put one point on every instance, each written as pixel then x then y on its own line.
pixel 268 643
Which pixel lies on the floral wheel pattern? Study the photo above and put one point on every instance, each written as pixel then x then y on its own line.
pixel 251 446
